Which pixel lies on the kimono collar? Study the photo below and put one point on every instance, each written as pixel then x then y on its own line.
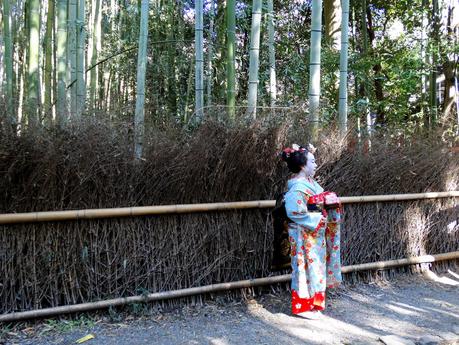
pixel 305 185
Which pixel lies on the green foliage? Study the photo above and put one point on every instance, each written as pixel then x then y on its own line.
pixel 402 82
pixel 67 325
pixel 4 330
pixel 395 51
pixel 114 314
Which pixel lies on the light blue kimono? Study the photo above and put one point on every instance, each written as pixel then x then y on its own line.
pixel 314 243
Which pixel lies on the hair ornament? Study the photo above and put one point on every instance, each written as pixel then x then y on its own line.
pixel 311 148
pixel 295 148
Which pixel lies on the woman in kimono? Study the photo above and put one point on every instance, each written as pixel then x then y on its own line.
pixel 314 234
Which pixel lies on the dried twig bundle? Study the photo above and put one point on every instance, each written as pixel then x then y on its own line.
pixel 90 166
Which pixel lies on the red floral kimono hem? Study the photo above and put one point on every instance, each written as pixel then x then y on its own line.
pixel 300 305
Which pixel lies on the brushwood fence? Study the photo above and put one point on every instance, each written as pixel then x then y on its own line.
pixel 90 166
pixel 56 261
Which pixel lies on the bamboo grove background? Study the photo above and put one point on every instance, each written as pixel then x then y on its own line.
pixel 89 166
pixel 63 59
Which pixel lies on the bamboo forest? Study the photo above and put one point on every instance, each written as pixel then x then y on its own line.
pixel 156 61
pixel 229 171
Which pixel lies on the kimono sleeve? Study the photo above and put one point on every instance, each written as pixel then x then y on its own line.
pixel 297 210
pixel 334 215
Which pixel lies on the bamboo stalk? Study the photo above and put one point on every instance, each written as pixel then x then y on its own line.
pixel 199 58
pixel 139 116
pixel 13 218
pixel 230 57
pixel 314 66
pixel 254 59
pixel 157 296
pixel 343 65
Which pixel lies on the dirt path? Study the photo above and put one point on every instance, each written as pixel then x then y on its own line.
pixel 417 309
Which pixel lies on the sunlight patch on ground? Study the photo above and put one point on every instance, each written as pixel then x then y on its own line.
pixel 344 328
pixel 435 310
pixel 404 305
pixel 403 311
pixel 443 280
pixel 454 274
pixel 380 322
pixel 386 325
pixel 215 341
pixel 310 330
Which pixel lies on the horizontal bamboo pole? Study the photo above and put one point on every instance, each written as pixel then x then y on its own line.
pixel 12 218
pixel 398 197
pixel 381 265
pixel 157 296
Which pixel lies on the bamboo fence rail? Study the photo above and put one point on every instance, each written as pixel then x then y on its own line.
pixel 157 296
pixel 12 218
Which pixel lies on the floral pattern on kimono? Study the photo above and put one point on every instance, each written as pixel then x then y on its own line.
pixel 315 247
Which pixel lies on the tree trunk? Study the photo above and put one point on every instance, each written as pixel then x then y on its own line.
pixel 456 84
pixel 182 68
pixel 364 89
pixel 8 58
pixel 332 17
pixel 272 55
pixel 72 58
pixel 354 23
pixel 424 59
pixel 450 92
pixel 244 41
pixel 61 114
pixel 449 67
pixel 221 56
pixel 21 40
pixel 210 55
pixel 15 53
pixel 188 93
pixel 199 75
pixel 171 59
pixel 81 35
pixel 101 100
pixel 2 62
pixel 343 68
pixel 254 58
pixel 364 30
pixel 96 46
pixel 141 69
pixel 314 65
pixel 48 70
pixel 33 87
pixel 433 102
pixel 377 70
pixel 230 62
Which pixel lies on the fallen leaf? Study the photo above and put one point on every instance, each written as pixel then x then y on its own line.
pixel 85 338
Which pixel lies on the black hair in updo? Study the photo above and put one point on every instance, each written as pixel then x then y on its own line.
pixel 295 160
